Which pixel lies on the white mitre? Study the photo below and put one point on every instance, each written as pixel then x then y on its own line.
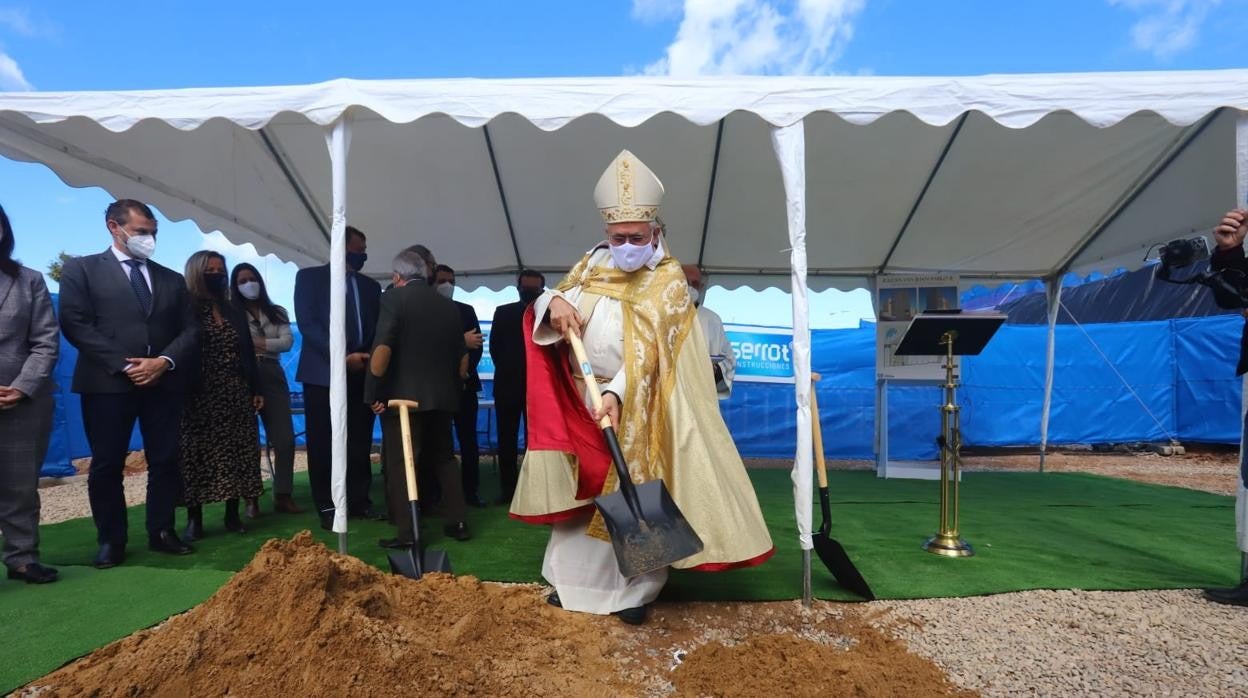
pixel 628 191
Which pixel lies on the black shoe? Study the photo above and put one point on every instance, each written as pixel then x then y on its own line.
pixel 167 542
pixel 194 524
pixel 475 501
pixel 633 616
pixel 367 514
pixel 553 600
pixel 109 556
pixel 34 573
pixel 1234 596
pixel 458 531
pixel 395 543
pixel 233 523
pixel 327 520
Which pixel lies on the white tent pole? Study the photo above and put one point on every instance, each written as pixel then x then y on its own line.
pixel 1053 296
pixel 338 139
pixel 1241 199
pixel 789 143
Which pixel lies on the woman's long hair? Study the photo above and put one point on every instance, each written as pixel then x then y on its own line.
pixel 274 312
pixel 8 265
pixel 194 273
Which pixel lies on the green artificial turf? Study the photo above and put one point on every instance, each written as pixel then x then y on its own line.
pixel 1029 531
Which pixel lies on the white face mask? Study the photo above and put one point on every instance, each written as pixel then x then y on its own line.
pixel 140 246
pixel 630 257
pixel 250 290
pixel 447 289
pixel 694 295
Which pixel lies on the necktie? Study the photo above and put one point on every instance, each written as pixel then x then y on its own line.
pixel 355 325
pixel 139 284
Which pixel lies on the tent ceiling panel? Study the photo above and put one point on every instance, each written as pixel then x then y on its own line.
pixel 549 179
pixel 1186 198
pixel 861 182
pixel 1010 200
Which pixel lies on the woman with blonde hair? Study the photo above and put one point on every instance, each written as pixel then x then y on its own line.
pixel 220 439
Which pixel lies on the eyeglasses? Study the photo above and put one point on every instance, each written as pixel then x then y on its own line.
pixel 635 238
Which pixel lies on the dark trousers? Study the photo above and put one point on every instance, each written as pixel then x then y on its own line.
pixel 359 445
pixel 109 420
pixel 466 432
pixel 24 432
pixel 509 415
pixel 431 443
pixel 278 430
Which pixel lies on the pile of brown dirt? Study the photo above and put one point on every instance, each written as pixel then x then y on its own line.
pixel 301 620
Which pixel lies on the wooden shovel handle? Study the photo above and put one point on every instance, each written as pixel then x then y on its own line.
pixel 595 393
pixel 821 468
pixel 405 425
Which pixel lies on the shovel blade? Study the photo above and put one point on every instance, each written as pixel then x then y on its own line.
pixel 660 537
pixel 834 557
pixel 405 562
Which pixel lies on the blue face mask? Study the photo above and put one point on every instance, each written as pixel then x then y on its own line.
pixel 356 260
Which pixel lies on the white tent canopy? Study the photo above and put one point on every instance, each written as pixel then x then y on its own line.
pixel 1013 176
pixel 998 176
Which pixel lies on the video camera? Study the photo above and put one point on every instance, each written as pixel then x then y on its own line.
pixel 1229 286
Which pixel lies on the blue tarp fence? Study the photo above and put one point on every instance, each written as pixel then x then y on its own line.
pixel 1181 372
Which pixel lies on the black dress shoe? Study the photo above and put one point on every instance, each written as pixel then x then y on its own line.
pixel 1234 596
pixel 395 543
pixel 34 573
pixel 633 616
pixel 109 556
pixel 553 600
pixel 368 514
pixel 458 531
pixel 167 542
pixel 327 520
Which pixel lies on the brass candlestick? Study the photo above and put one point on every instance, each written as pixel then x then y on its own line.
pixel 947 542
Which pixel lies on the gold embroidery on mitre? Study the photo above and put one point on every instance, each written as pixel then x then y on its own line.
pixel 620 214
pixel 624 174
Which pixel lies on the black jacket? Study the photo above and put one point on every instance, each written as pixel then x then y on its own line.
pixel 1234 259
pixel 507 351
pixel 101 316
pixel 468 320
pixel 426 341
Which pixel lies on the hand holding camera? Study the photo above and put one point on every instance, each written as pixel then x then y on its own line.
pixel 1231 231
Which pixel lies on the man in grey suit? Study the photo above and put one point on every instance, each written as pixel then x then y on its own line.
pixel 29 343
pixel 136 336
pixel 419 355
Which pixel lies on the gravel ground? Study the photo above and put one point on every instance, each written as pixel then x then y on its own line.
pixel 1066 643
pixel 1035 643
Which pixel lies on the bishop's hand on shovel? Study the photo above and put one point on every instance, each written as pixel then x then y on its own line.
pixel 646 528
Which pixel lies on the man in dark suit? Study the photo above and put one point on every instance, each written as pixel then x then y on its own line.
pixel 312 314
pixel 507 350
pixel 466 417
pixel 131 322
pixel 419 355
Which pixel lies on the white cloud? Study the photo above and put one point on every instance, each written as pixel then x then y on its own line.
pixel 656 10
pixel 737 37
pixel 11 77
pixel 1167 27
pixel 18 21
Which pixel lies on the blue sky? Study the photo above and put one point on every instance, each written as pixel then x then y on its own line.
pixel 81 45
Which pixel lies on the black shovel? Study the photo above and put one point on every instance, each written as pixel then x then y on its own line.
pixel 647 531
pixel 830 551
pixel 414 562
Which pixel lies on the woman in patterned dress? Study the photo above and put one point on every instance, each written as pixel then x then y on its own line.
pixel 220 440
